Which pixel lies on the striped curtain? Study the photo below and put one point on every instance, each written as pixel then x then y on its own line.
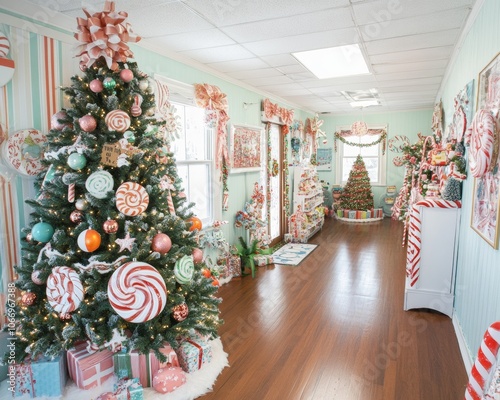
pixel 27 101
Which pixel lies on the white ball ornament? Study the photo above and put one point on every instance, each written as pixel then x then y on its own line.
pixel 143 84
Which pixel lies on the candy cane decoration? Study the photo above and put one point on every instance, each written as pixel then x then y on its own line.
pixel 167 184
pixel 71 193
pixel 486 359
pixel 414 235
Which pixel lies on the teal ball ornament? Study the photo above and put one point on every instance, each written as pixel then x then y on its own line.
pixel 109 83
pixel 77 161
pixel 42 232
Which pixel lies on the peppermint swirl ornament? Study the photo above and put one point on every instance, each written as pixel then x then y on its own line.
pixel 117 120
pixel 131 199
pixel 99 183
pixel 64 290
pixel 184 270
pixel 137 292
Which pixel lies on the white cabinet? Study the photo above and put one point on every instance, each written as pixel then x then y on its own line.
pixel 307 196
pixel 434 285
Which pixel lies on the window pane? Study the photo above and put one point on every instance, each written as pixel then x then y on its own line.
pixel 347 163
pixel 371 164
pixel 178 146
pixel 196 140
pixel 200 191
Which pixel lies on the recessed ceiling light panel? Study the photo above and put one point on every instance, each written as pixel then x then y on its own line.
pixel 334 62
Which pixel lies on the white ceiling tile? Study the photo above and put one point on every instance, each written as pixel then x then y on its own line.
pixel 368 80
pixel 409 82
pixel 437 53
pixel 410 67
pixel 285 87
pixel 236 65
pixel 293 69
pixel 427 73
pixel 308 41
pixel 382 12
pixel 255 73
pixel 230 12
pixel 413 42
pixel 279 60
pixel 218 54
pixel 290 26
pixel 268 81
pixel 193 40
pixel 434 22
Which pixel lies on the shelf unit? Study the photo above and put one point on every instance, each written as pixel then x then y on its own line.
pixel 307 196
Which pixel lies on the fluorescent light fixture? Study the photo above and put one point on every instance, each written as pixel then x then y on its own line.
pixel 364 103
pixel 334 62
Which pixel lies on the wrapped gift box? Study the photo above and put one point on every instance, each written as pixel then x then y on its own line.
pixel 224 272
pixel 234 265
pixel 43 377
pixel 89 370
pixel 143 366
pixel 263 259
pixel 128 389
pixel 193 352
pixel 352 214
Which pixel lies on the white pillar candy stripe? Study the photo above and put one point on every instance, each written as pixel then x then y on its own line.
pixel 486 359
pixel 414 235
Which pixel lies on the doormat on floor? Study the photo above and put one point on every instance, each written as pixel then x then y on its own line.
pixel 293 253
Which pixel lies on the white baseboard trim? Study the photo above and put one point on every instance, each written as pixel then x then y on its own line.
pixel 462 343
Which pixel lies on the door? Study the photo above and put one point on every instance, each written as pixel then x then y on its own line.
pixel 274 181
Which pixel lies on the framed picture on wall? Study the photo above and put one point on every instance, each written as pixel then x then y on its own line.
pixel 485 217
pixel 246 148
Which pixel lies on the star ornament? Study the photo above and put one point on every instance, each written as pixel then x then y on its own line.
pixel 125 243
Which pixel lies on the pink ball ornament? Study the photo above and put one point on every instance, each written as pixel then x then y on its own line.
pixel 161 243
pixel 180 312
pixel 166 380
pixel 107 396
pixel 197 255
pixel 87 123
pixel 54 120
pixel 126 75
pixel 35 277
pixel 96 86
pixel 28 298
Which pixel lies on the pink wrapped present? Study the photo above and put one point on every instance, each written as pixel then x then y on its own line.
pixel 143 366
pixel 89 370
pixel 234 264
pixel 263 259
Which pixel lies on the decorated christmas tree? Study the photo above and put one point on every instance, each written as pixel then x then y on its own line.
pixel 110 256
pixel 357 193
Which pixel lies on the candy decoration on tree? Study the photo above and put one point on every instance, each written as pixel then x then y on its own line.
pixel 64 316
pixel 168 379
pixel 109 83
pixel 137 292
pixel 161 243
pixel 136 110
pixel 195 223
pixel 126 75
pixel 197 255
pixel 76 161
pixel 96 85
pixel 99 183
pixel 64 290
pixel 167 184
pixel 117 120
pixel 88 123
pixel 102 267
pixel 184 270
pixel 35 277
pixel 76 217
pixel 89 240
pixel 29 237
pixel 131 199
pixel 49 176
pixel 28 298
pixel 125 243
pixel 110 226
pixel 180 312
pixel 483 143
pixel 42 232
pixel 81 204
pixel 55 121
pixel 71 193
pixel 143 84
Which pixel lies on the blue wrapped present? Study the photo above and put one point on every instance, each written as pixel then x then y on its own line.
pixel 128 389
pixel 193 352
pixel 43 377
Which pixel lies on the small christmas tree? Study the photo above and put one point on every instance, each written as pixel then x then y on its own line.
pixel 357 193
pixel 111 253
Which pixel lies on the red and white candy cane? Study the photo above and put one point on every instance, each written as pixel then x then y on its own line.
pixel 486 359
pixel 71 193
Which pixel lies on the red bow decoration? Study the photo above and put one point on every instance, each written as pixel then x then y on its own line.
pixel 271 110
pixel 104 34
pixel 211 98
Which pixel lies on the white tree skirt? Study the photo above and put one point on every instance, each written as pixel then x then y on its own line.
pixel 197 383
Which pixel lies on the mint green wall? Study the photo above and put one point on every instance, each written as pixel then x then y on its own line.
pixel 477 298
pixel 407 123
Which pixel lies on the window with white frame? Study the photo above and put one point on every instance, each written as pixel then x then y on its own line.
pixel 375 160
pixel 194 154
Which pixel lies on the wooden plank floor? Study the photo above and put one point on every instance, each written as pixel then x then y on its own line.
pixel 334 327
